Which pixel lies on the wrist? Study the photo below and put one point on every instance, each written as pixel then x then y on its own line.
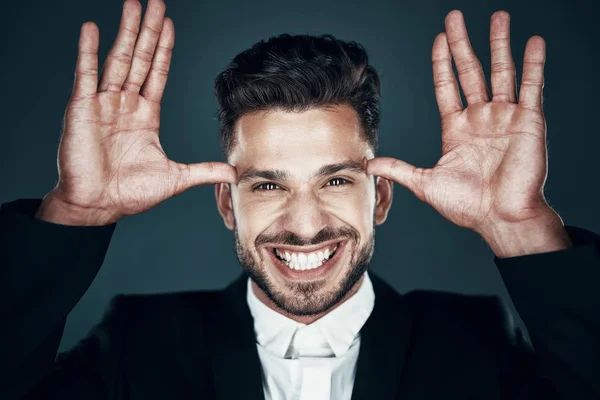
pixel 58 211
pixel 542 234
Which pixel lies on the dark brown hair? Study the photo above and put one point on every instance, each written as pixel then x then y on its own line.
pixel 295 73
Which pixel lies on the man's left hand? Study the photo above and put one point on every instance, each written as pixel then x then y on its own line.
pixel 491 176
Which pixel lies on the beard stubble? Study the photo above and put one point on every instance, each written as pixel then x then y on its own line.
pixel 307 298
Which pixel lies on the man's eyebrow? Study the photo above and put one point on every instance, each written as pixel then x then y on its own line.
pixel 268 174
pixel 330 169
pixel 281 175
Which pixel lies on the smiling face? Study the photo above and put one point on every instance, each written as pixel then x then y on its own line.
pixel 304 209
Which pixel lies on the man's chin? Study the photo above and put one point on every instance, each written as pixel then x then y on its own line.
pixel 310 296
pixel 308 292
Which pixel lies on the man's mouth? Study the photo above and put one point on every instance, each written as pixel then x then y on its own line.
pixel 301 261
pixel 316 263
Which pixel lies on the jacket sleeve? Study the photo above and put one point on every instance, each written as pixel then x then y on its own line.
pixel 45 270
pixel 557 294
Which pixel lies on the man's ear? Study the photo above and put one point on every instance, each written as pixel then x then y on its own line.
pixel 224 204
pixel 384 193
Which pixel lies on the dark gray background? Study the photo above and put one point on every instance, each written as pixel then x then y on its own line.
pixel 182 244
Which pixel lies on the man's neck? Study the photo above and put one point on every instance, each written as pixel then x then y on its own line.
pixel 304 319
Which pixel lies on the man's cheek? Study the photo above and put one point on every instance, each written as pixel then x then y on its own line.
pixel 254 221
pixel 256 207
pixel 351 205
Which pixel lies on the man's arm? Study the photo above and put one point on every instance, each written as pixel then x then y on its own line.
pixel 111 165
pixel 46 269
pixel 557 294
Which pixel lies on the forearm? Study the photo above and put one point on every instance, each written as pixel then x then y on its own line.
pixel 556 295
pixel 45 270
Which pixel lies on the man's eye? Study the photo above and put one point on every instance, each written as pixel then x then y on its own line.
pixel 338 182
pixel 268 186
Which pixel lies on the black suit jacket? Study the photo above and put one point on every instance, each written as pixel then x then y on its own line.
pixel 200 345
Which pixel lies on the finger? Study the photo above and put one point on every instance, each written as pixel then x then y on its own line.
pixel 154 86
pixel 118 62
pixel 503 67
pixel 532 84
pixel 470 73
pixel 145 46
pixel 446 88
pixel 205 173
pixel 407 175
pixel 86 69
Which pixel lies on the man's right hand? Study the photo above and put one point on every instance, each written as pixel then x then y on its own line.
pixel 110 161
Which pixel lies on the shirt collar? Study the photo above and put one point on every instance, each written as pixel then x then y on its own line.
pixel 339 327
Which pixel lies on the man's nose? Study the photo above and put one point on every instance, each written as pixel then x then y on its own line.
pixel 305 216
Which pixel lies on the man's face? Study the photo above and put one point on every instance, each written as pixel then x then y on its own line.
pixel 304 210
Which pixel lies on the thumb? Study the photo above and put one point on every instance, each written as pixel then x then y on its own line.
pixel 205 173
pixel 401 172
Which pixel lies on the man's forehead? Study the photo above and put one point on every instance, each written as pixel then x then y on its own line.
pixel 341 116
pixel 274 136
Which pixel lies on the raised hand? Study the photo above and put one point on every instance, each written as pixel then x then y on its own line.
pixel 493 166
pixel 110 160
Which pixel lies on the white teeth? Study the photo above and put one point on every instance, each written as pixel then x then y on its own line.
pixel 304 261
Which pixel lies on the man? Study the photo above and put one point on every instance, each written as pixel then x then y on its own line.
pixel 302 191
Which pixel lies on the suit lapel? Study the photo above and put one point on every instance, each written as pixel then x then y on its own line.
pixel 383 345
pixel 236 367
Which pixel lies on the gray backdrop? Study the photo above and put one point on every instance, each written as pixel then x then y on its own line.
pixel 182 244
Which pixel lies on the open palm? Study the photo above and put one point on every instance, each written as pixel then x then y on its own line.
pixel 110 158
pixel 493 165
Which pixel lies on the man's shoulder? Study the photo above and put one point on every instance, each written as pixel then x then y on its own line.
pixel 475 312
pixel 183 301
pixel 178 307
pixel 444 302
pixel 439 302
pixel 465 315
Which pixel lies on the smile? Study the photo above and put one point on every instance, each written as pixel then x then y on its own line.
pixel 305 260
pixel 311 264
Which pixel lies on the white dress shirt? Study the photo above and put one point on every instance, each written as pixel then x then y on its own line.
pixel 311 362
